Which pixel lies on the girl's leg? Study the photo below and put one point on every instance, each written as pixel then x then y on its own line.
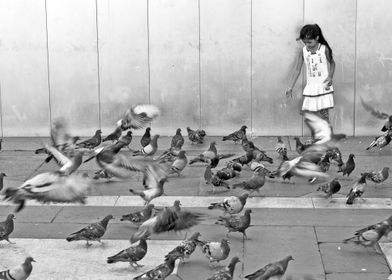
pixel 324 114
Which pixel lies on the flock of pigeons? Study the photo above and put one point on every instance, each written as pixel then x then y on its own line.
pixel 67 185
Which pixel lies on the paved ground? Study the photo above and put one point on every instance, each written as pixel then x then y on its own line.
pixel 288 219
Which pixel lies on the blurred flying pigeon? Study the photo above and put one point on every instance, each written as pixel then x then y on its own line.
pixel 276 269
pixel 236 136
pixel 236 224
pixel 150 149
pixel 325 163
pixel 160 272
pixel 186 248
pixel 114 136
pixel 281 149
pixel 20 272
pixel 335 154
pixel 215 251
pixel 299 147
pixel 151 192
pixel 179 164
pixel 330 188
pixel 254 183
pixel 92 142
pixel 7 227
pixel 196 136
pixel 2 175
pixel 231 204
pixel 50 187
pixel 369 237
pixel 141 216
pixel 177 140
pixel 92 232
pixel 146 138
pixel 206 156
pixel 132 254
pixel 349 166
pixel 378 114
pixel 301 166
pixel 357 190
pixel 169 219
pixel 138 116
pixel 378 176
pixel 380 141
pixel 227 273
pixel 67 165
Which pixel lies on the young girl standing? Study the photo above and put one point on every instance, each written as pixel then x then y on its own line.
pixel 320 67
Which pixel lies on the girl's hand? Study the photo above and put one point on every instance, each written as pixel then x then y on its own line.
pixel 328 83
pixel 289 92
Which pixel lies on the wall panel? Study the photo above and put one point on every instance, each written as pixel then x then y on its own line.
pixel 122 27
pixel 274 53
pixel 339 30
pixel 174 56
pixel 374 64
pixel 225 65
pixel 23 68
pixel 73 63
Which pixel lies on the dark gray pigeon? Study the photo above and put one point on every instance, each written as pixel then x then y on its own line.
pixel 227 272
pixel 276 269
pixel 92 142
pixel 7 227
pixel 141 216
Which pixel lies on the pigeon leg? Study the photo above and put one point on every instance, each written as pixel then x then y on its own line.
pixel 378 248
pixel 88 244
pixel 9 241
pixel 99 240
pixel 244 234
pixel 227 234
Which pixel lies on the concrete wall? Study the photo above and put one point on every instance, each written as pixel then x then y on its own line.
pixel 217 64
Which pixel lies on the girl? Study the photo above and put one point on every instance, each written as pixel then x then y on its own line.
pixel 320 67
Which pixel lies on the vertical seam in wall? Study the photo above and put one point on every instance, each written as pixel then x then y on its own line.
pixel 251 65
pixel 303 76
pixel 148 51
pixel 355 64
pixel 1 113
pixel 48 64
pixel 98 66
pixel 200 105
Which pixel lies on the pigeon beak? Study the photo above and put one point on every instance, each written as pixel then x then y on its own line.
pixel 33 260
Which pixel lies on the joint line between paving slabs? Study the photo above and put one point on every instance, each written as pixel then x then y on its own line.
pixel 321 257
pixel 55 216
pixel 115 203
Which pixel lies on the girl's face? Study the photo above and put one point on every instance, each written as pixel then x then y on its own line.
pixel 311 44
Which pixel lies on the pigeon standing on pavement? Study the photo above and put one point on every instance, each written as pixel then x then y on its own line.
pixel 150 149
pixel 236 224
pixel 160 272
pixel 179 163
pixel 349 166
pixel 92 142
pixel 276 269
pixel 357 190
pixel 196 136
pixel 330 188
pixel 177 140
pixel 126 139
pixel 215 251
pixel 92 232
pixel 20 272
pixel 206 156
pixel 254 183
pixel 236 136
pixel 186 248
pixel 378 176
pixel 281 149
pixel 141 216
pixel 6 228
pixel 114 136
pixel 146 138
pixel 231 204
pixel 380 141
pixel 227 273
pixel 138 116
pixel 132 254
pixel 2 175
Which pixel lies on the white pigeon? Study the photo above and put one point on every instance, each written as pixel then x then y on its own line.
pixel 138 116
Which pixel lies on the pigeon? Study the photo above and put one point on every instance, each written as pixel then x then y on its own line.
pixel 114 136
pixel 380 115
pixel 150 149
pixel 169 219
pixel 92 232
pixel 20 272
pixel 141 216
pixel 206 156
pixel 50 187
pixel 244 159
pixel 234 165
pixel 170 155
pixel 299 147
pixel 380 141
pixel 151 192
pixel 236 224
pixel 138 116
pixel 92 142
pixel 226 173
pixel 126 139
pixel 236 136
pixel 357 190
pixel 227 273
pixel 132 254
pixel 330 188
pixel 68 165
pixel 276 269
pixel 378 176
pixel 281 149
pixel 231 204
pixel 349 166
pixel 160 272
pixel 215 251
pixel 178 140
pixel 258 154
pixel 6 228
pixel 196 136
pixel 301 166
pixel 325 163
pixel 186 248
pixel 335 155
pixel 179 164
pixel 218 182
pixel 146 138
pixel 369 237
pixel 2 175
pixel 254 183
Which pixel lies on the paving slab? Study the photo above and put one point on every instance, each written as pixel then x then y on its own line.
pixel 358 276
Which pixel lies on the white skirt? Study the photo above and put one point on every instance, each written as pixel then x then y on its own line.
pixel 317 103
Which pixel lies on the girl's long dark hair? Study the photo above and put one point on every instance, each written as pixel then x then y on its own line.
pixel 311 31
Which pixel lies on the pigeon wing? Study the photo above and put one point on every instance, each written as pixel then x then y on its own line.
pixel 373 111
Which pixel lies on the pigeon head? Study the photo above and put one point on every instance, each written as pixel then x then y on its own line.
pixel 29 260
pixel 248 211
pixel 202 133
pixel 98 132
pixel 213 143
pixel 225 241
pixel 10 217
pixel 177 203
pixel 244 127
pixel 197 234
pixel 181 153
pixel 150 206
pixel 2 175
pixel 234 261
pixel 351 156
pixel 289 258
pixel 129 133
pixel 178 131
